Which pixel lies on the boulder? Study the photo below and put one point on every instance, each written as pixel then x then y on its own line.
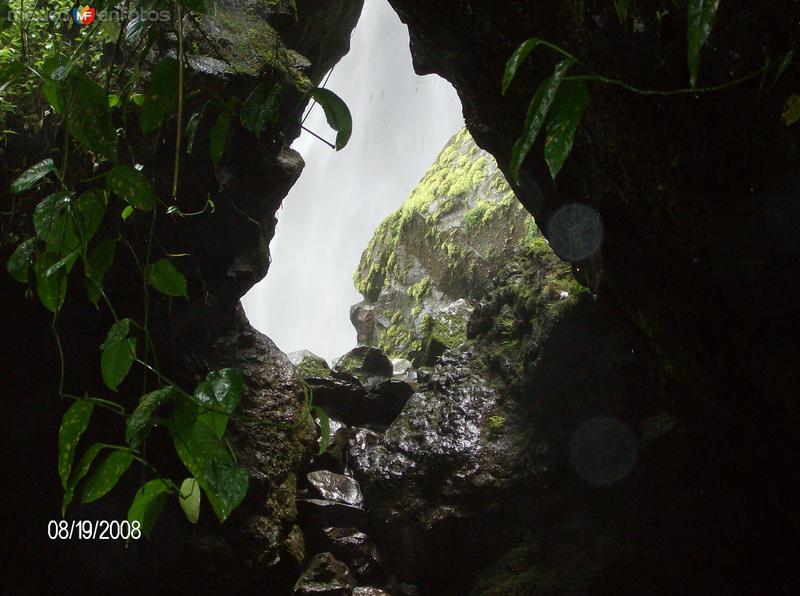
pixel 309 364
pixel 365 364
pixel 430 260
pixel 336 487
pixel 344 398
pixel 325 576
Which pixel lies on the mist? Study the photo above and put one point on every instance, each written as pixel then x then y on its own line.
pixel 401 122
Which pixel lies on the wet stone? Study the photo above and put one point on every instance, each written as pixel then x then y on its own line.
pixel 357 549
pixel 336 487
pixel 369 591
pixel 327 576
pixel 364 363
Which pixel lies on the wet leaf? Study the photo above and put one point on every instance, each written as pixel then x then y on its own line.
pixel 50 219
pixel 517 58
pixel 79 472
pixel 106 475
pixel 208 459
pixel 222 392
pixel 565 115
pixel 99 262
pixel 21 260
pixel 165 277
pixel 141 421
pixel 32 175
pixel 336 113
pixel 537 114
pixel 73 424
pixel 701 14
pixel 132 186
pixel 118 354
pixel 148 504
pixel 261 107
pixel 90 119
pixel 51 289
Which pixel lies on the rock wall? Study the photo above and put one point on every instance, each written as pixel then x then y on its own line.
pixel 696 195
pixel 226 253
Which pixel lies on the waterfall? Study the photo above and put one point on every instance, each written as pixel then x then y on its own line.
pixel 401 122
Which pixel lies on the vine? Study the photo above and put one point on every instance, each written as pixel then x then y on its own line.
pixel 560 101
pixel 93 119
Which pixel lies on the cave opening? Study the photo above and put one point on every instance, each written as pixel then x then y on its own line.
pixel 401 122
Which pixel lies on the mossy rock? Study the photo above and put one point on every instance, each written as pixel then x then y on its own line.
pixel 310 365
pixel 364 363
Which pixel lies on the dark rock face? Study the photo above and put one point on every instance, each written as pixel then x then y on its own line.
pixel 326 576
pixel 688 190
pixel 259 545
pixel 360 390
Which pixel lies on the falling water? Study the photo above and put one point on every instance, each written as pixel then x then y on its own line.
pixel 401 122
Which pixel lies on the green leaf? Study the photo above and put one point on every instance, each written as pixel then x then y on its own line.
pixel 148 503
pixel 165 277
pixel 141 420
pixel 261 107
pixel 118 354
pixel 106 476
pixel 50 219
pixel 64 264
pixel 537 113
pixel 622 7
pixel 221 391
pixel 99 262
pixel 113 100
pixel 90 118
pixel 162 92
pixel 22 260
pixel 219 137
pixel 189 499
pixel 53 91
pixel 126 213
pixel 51 289
pixel 132 186
pixel 336 112
pixel 208 459
pixel 701 15
pixel 565 115
pixel 73 424
pixel 324 428
pixel 787 60
pixel 517 58
pixel 79 472
pixel 32 175
pixel 88 214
